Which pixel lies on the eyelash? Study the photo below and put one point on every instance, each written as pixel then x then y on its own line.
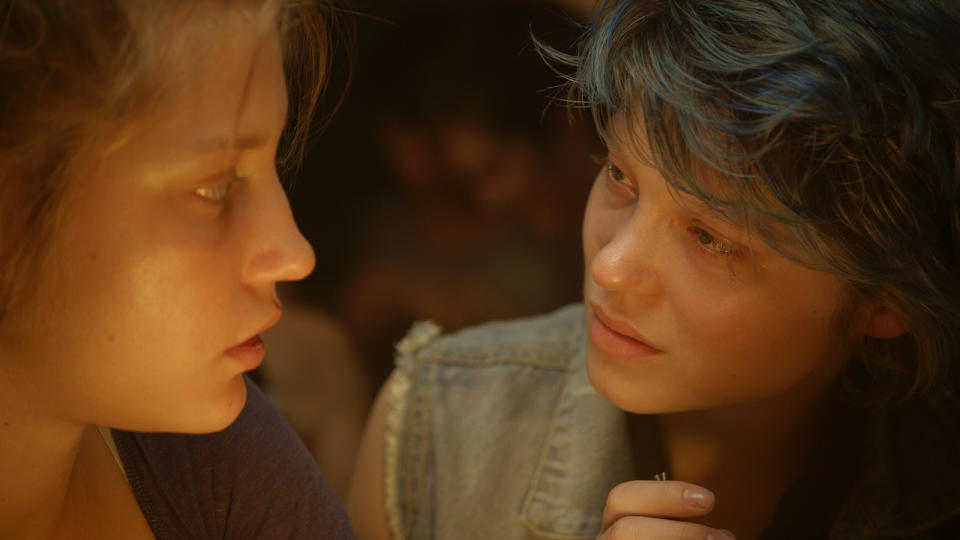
pixel 711 244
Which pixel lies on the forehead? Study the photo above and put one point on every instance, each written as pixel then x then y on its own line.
pixel 233 78
pixel 739 196
pixel 222 82
pixel 700 184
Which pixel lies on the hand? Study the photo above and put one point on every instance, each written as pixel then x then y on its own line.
pixel 640 510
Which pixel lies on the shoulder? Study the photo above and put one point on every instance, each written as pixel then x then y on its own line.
pixel 450 406
pixel 252 477
pixel 485 373
pixel 548 341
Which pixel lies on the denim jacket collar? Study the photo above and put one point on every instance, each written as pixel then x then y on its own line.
pixel 586 454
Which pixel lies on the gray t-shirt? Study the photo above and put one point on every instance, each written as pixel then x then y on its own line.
pixel 254 479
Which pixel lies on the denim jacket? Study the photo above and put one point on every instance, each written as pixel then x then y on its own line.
pixel 496 432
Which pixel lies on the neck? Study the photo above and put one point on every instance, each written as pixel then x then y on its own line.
pixel 37 461
pixel 37 467
pixel 748 455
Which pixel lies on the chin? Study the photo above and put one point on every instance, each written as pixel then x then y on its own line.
pixel 188 412
pixel 218 412
pixel 225 412
pixel 627 396
pixel 608 384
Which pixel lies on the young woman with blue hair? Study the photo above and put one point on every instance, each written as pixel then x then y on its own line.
pixel 769 337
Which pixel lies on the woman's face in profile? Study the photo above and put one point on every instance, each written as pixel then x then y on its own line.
pixel 166 264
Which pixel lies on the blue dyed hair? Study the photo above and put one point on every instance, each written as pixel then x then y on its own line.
pixel 834 127
pixel 831 130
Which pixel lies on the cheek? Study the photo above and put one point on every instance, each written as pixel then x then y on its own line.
pixel 774 338
pixel 171 292
pixel 150 286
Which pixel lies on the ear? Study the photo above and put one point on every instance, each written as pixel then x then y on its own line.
pixel 882 321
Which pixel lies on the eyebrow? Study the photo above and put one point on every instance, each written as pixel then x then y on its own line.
pixel 219 143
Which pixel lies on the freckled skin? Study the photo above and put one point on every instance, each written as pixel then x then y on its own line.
pixel 133 332
pixel 765 329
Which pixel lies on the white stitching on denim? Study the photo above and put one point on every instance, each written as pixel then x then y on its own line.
pixel 400 384
pixel 399 387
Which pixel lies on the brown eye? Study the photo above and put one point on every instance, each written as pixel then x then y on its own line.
pixel 720 246
pixel 704 237
pixel 615 173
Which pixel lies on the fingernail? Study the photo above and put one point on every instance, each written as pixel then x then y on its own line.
pixel 721 535
pixel 698 498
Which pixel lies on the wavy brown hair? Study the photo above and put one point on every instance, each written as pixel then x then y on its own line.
pixel 76 74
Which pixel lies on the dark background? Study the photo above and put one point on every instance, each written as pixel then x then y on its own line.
pixel 449 185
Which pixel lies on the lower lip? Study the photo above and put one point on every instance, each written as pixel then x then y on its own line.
pixel 616 345
pixel 249 353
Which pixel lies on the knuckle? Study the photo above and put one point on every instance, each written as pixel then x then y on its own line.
pixel 669 496
pixel 617 495
pixel 624 529
pixel 669 491
pixel 691 531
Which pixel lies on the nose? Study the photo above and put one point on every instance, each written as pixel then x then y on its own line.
pixel 280 251
pixel 626 259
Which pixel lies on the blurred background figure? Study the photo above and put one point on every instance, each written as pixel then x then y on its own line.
pixel 451 189
pixel 316 378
